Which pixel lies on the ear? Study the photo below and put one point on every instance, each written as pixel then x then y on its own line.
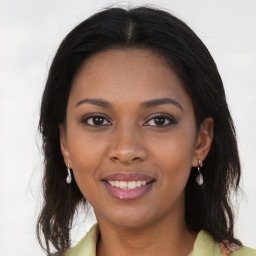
pixel 203 141
pixel 64 145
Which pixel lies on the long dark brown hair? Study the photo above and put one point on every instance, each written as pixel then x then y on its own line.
pixel 207 207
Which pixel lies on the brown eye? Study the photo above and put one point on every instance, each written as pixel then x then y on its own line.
pixel 96 120
pixel 161 121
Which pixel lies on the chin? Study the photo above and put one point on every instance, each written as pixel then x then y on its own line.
pixel 129 218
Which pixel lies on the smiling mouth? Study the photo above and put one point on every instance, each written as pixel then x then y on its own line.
pixel 127 185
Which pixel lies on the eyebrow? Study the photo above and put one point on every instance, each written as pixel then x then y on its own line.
pixel 145 104
pixel 98 102
pixel 157 102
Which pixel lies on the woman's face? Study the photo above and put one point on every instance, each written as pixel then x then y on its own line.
pixel 130 137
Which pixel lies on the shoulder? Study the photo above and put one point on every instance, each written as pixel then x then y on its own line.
pixel 244 251
pixel 205 245
pixel 235 250
pixel 87 245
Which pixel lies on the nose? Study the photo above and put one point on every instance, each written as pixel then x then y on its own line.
pixel 127 147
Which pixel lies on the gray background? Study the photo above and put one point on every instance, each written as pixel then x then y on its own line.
pixel 30 32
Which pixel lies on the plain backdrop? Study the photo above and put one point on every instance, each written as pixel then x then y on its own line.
pixel 30 32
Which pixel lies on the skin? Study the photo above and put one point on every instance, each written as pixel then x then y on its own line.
pixel 130 139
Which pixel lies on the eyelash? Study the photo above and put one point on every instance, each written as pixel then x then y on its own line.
pixel 166 117
pixel 86 119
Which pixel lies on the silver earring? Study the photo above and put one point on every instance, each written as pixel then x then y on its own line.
pixel 69 177
pixel 199 177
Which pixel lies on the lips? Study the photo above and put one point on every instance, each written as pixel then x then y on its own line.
pixel 128 186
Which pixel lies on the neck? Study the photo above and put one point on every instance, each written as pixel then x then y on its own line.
pixel 169 236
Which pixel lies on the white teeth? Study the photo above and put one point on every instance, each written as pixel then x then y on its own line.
pixel 138 183
pixel 123 184
pixel 131 184
pixel 127 185
pixel 116 183
pixel 112 182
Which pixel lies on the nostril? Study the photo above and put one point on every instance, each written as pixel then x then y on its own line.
pixel 125 159
pixel 127 155
pixel 115 158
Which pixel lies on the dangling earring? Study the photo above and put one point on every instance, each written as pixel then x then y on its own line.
pixel 69 177
pixel 199 178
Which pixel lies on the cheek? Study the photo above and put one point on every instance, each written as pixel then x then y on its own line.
pixel 176 148
pixel 85 149
pixel 173 156
pixel 86 156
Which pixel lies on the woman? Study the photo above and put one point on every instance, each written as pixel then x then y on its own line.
pixel 135 121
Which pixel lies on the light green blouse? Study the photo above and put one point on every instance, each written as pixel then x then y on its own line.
pixel 204 246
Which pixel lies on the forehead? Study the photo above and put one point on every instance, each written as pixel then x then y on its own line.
pixel 127 75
